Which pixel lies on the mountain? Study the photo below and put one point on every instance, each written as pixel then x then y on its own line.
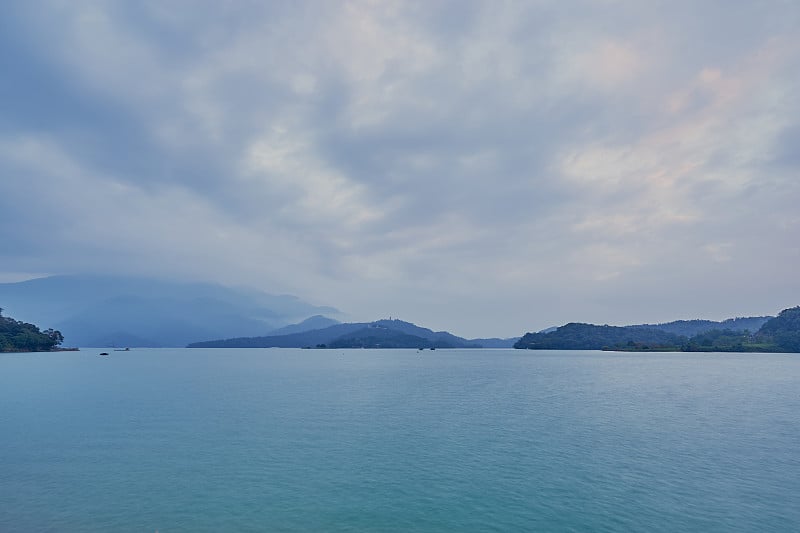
pixel 309 324
pixel 440 339
pixel 495 342
pixel 783 331
pixel 778 334
pixel 378 334
pixel 380 337
pixel 750 334
pixel 291 340
pixel 690 328
pixel 576 336
pixel 126 311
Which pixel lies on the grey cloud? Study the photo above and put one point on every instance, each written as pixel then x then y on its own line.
pixel 550 161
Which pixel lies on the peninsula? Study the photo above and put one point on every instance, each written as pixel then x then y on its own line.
pixel 17 336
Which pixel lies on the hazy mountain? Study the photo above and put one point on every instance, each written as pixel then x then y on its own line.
pixel 123 311
pixel 292 340
pixel 495 342
pixel 309 324
pixel 690 328
pixel 381 333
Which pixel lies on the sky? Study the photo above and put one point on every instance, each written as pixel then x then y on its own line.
pixel 488 168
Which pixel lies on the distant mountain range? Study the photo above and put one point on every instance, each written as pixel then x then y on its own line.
pixel 125 311
pixel 378 334
pixel 137 312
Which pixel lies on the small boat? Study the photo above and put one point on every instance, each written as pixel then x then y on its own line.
pixel 103 353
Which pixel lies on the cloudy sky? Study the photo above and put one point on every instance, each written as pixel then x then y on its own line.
pixel 489 168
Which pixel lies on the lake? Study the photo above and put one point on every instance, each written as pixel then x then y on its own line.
pixel 398 440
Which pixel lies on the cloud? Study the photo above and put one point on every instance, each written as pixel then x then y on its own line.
pixel 479 167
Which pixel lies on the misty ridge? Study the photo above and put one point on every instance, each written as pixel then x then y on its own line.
pixel 139 312
pixel 127 311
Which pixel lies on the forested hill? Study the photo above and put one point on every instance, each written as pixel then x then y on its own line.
pixel 378 334
pixel 17 336
pixel 783 331
pixel 778 334
pixel 575 336
pixel 690 328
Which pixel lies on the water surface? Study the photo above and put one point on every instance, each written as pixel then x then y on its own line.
pixel 395 440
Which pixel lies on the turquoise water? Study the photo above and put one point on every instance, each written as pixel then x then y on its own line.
pixel 395 440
